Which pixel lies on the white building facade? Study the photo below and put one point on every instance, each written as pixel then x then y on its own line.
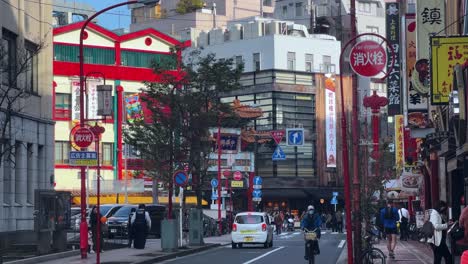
pixel 284 67
pixel 25 27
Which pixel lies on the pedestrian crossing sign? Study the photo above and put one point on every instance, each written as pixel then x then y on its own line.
pixel 278 154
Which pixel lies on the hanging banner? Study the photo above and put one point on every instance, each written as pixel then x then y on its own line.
pixel 92 98
pixel 430 15
pixel 133 107
pixel 330 122
pixel 90 102
pixel 416 100
pixel 399 141
pixel 75 109
pixel 446 53
pixel 392 20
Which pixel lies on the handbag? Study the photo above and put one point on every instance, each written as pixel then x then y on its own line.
pixel 456 232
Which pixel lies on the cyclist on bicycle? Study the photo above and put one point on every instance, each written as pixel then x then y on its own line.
pixel 312 221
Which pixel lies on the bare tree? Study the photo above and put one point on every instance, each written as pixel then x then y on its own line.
pixel 18 74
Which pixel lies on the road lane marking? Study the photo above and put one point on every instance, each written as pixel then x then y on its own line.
pixel 296 233
pixel 262 256
pixel 323 232
pixel 341 243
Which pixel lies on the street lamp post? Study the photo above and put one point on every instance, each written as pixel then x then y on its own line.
pixel 83 224
pixel 375 102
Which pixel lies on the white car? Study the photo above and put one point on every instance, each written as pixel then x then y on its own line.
pixel 252 228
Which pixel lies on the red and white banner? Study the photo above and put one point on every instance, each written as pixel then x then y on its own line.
pixel 330 122
pixel 91 102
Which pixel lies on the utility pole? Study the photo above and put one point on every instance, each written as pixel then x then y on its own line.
pixel 355 132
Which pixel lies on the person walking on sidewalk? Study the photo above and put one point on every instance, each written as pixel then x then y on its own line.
pixel 389 217
pixel 437 217
pixel 141 223
pixel 404 219
pixel 94 219
pixel 339 221
pixel 130 227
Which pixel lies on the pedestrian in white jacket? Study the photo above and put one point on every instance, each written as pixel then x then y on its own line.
pixel 438 240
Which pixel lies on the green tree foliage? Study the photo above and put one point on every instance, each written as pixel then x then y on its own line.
pixel 183 108
pixel 188 6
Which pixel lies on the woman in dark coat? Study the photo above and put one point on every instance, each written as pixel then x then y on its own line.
pixel 93 221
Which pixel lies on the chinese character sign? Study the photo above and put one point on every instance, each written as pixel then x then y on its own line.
pixel 393 36
pixel 415 100
pixel 92 100
pixel 399 141
pixel 330 122
pixel 75 111
pixel 430 15
pixel 368 58
pixel 446 53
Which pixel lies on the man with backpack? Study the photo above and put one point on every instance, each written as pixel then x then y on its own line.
pixel 404 219
pixel 389 217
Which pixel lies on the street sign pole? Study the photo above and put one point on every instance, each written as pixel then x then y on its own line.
pixel 181 197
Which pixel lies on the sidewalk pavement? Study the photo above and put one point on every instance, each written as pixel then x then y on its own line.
pixel 152 253
pixel 408 252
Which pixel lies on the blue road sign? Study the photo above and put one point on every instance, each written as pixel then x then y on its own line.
pixel 180 178
pixel 83 158
pixel 335 193
pixel 214 183
pixel 295 136
pixel 257 180
pixel 257 193
pixel 334 200
pixel 278 154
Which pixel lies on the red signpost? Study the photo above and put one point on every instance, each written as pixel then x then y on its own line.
pixel 277 135
pixel 237 176
pixel 367 58
pixel 83 137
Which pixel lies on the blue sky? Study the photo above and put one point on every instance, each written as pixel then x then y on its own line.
pixel 112 19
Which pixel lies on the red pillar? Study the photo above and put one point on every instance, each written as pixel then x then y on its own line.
pixel 119 131
pixel 249 191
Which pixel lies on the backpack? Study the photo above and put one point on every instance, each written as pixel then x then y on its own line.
pixel 427 230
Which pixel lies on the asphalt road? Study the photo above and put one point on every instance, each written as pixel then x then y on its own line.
pixel 288 248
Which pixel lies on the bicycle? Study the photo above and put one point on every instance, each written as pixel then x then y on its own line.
pixel 372 254
pixel 312 246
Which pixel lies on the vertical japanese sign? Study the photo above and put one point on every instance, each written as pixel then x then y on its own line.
pixel 399 141
pixel 430 15
pixel 91 100
pixel 330 122
pixel 416 101
pixel 392 20
pixel 447 52
pixel 75 111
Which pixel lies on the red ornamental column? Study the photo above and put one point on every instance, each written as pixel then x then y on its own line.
pixel 375 102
